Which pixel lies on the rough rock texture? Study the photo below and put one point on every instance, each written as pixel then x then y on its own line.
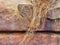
pixel 26 11
pixel 10 20
pixel 54 13
pixel 15 18
pixel 52 25
pixel 37 39
pixel 53 21
pixel 17 15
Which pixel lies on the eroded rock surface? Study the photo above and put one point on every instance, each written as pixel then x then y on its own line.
pixel 37 39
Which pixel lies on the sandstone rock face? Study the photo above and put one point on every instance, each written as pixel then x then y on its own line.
pixel 16 15
pixel 54 20
pixel 15 19
pixel 37 39
pixel 54 13
pixel 10 18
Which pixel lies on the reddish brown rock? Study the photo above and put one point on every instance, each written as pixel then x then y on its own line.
pixel 37 39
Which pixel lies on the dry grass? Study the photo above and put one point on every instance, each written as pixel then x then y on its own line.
pixel 40 8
